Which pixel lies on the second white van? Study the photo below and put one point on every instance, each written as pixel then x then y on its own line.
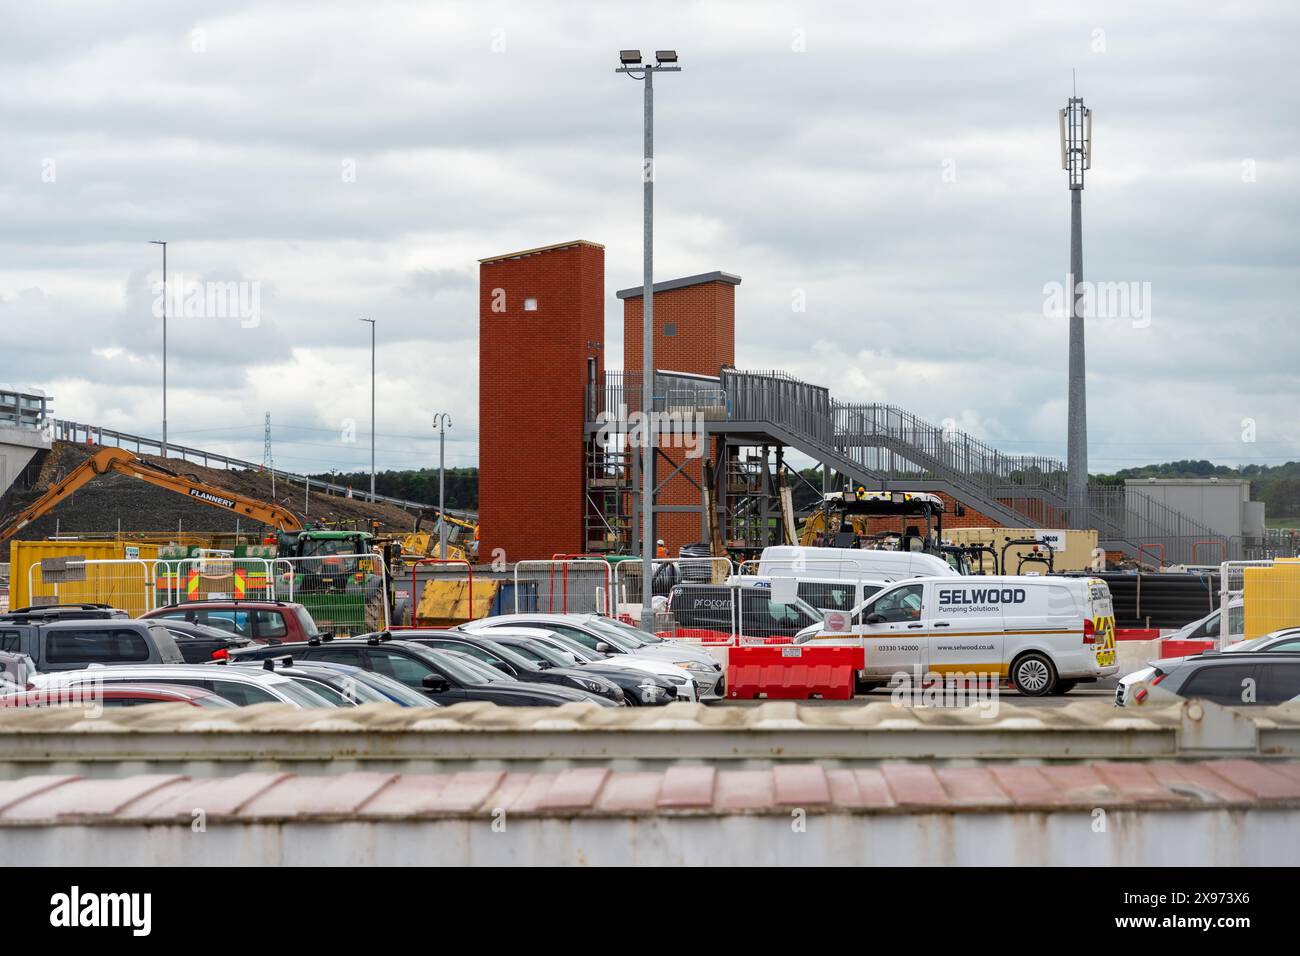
pixel 851 563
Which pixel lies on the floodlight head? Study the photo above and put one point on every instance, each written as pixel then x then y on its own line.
pixel 629 57
pixel 1075 122
pixel 666 56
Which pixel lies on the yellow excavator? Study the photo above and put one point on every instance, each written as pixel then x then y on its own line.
pixel 462 540
pixel 122 462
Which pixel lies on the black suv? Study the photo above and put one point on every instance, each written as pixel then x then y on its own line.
pixel 66 637
pixel 446 677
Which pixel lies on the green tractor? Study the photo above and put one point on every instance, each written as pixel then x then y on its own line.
pixel 343 593
pixel 336 575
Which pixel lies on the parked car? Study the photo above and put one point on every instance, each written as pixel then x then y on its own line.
pixel 439 673
pixel 241 686
pixel 1207 628
pixel 119 695
pixel 264 622
pixel 577 653
pixel 69 638
pixel 615 639
pixel 200 643
pixel 639 688
pixel 1235 679
pixel 1287 639
pixel 521 668
pixel 388 689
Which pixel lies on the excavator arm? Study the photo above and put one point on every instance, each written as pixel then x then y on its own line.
pixel 122 462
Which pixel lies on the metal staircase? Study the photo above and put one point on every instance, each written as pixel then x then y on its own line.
pixel 887 447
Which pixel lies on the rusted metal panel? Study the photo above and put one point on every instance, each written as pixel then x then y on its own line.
pixel 686 816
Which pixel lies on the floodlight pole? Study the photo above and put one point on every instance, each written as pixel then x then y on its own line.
pixel 1076 156
pixel 163 243
pixel 647 328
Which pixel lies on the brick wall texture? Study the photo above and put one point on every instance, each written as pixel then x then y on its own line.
pixel 532 366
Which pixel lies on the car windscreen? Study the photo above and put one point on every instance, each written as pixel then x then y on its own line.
pixel 451 664
pixel 613 635
pixel 509 655
pixel 645 637
pixel 485 673
pixel 560 658
pixel 305 622
pixel 393 690
pixel 301 695
pixel 1249 645
pixel 323 690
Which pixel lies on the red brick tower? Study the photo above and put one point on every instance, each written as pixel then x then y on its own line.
pixel 695 332
pixel 541 336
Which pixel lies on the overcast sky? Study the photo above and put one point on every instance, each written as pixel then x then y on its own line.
pixel 895 166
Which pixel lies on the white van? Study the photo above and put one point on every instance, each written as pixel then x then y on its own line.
pixel 1044 634
pixel 851 563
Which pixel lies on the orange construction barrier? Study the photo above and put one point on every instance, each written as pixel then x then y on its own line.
pixel 792 671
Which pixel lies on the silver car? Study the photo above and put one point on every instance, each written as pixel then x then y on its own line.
pixel 242 686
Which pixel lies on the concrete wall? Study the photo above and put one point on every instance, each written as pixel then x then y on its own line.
pixel 17 447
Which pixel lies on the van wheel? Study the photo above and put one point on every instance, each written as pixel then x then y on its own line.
pixel 1064 686
pixel 1033 675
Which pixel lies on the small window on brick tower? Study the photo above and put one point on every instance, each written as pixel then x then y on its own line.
pixel 670 329
pixel 530 305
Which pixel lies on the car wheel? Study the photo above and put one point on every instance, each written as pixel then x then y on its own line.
pixel 1033 675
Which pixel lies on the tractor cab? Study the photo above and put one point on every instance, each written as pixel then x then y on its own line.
pixel 335 550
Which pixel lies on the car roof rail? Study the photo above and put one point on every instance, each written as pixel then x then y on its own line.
pixel 84 606
pixel 284 660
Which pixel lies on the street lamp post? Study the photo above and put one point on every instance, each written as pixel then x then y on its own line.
pixel 443 421
pixel 163 243
pixel 372 407
pixel 630 63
